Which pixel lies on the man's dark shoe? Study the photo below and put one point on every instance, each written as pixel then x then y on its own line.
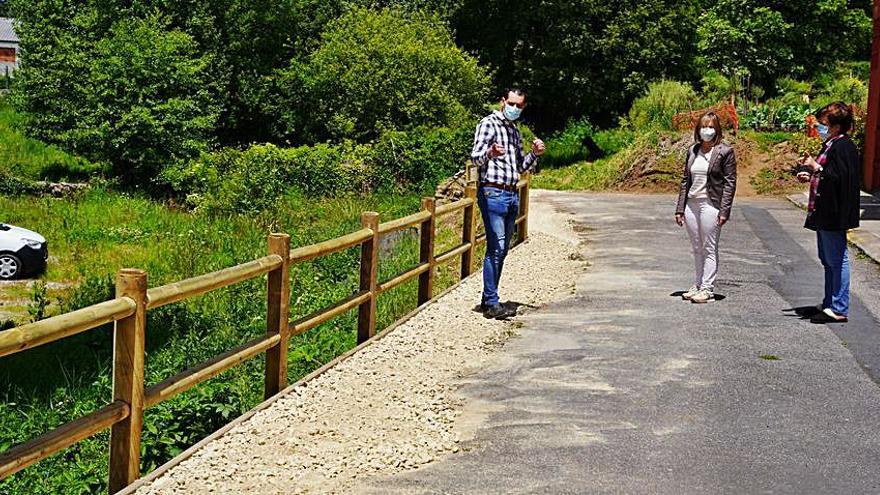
pixel 497 312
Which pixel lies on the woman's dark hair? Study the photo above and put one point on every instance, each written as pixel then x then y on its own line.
pixel 837 113
pixel 711 118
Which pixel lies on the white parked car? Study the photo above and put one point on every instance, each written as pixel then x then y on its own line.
pixel 22 252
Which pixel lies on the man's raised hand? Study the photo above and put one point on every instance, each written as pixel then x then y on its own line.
pixel 496 150
pixel 538 147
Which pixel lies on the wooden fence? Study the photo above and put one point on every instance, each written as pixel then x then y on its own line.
pixel 128 311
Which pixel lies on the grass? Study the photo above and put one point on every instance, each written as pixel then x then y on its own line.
pixel 620 148
pixel 581 176
pixel 92 235
pixel 28 158
pixel 766 140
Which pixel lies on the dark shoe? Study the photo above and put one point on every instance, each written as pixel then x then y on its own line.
pixel 497 312
pixel 824 317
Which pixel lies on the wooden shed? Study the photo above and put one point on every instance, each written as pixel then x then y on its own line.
pixel 9 45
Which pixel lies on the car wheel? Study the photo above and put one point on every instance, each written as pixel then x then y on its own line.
pixel 10 266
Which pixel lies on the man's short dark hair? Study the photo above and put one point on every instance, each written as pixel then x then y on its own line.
pixel 837 113
pixel 515 90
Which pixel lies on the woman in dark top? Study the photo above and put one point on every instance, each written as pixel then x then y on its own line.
pixel 834 178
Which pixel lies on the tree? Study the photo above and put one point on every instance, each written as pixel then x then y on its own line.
pixel 380 70
pixel 580 57
pixel 150 103
pixel 767 40
pixel 138 98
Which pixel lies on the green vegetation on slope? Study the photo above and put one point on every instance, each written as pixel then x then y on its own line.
pixel 93 235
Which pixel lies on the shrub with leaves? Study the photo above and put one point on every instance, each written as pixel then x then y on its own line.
pixel 381 70
pixel 139 98
pixel 660 103
pixel 571 145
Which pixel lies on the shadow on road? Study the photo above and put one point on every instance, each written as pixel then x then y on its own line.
pixel 679 293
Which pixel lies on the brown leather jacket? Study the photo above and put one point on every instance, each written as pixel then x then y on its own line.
pixel 721 182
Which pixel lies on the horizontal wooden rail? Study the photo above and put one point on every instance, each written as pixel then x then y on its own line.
pixel 520 220
pixel 309 322
pixel 481 239
pixel 402 223
pixel 22 456
pixel 188 379
pixel 404 277
pixel 57 327
pixel 448 208
pixel 452 253
pixel 331 246
pixel 191 287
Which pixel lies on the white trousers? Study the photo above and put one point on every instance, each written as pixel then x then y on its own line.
pixel 703 229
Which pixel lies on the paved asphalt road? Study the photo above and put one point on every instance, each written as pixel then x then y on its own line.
pixel 624 388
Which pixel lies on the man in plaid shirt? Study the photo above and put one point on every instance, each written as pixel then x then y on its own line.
pixel 498 155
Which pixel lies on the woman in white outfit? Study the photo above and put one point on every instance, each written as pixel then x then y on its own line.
pixel 704 202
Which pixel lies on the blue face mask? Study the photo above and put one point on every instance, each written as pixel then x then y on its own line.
pixel 512 112
pixel 823 131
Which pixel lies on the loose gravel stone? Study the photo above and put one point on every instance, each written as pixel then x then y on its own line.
pixel 390 407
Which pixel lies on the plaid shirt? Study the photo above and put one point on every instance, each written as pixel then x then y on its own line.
pixel 506 168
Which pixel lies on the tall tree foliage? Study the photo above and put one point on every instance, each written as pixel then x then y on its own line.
pixel 767 40
pixel 134 93
pixel 381 70
pixel 580 57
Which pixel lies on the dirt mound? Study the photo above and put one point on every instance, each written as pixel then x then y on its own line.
pixel 657 166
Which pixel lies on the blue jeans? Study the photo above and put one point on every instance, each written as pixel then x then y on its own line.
pixel 499 209
pixel 833 255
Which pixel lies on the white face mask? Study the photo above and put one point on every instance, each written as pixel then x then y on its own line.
pixel 707 133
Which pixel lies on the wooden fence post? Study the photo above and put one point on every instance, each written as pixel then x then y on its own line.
pixel 426 253
pixel 524 208
pixel 128 381
pixel 469 232
pixel 369 278
pixel 278 315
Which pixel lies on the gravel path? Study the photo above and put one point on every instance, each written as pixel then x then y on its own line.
pixel 390 407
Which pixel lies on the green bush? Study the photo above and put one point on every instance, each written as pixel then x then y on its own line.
pixel 419 159
pixel 660 103
pixel 30 159
pixel 381 70
pixel 569 146
pixel 14 186
pixel 847 89
pixel 231 180
pixel 613 140
pixel 793 92
pixel 138 99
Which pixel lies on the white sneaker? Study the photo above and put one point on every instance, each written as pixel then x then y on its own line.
pixel 690 293
pixel 703 296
